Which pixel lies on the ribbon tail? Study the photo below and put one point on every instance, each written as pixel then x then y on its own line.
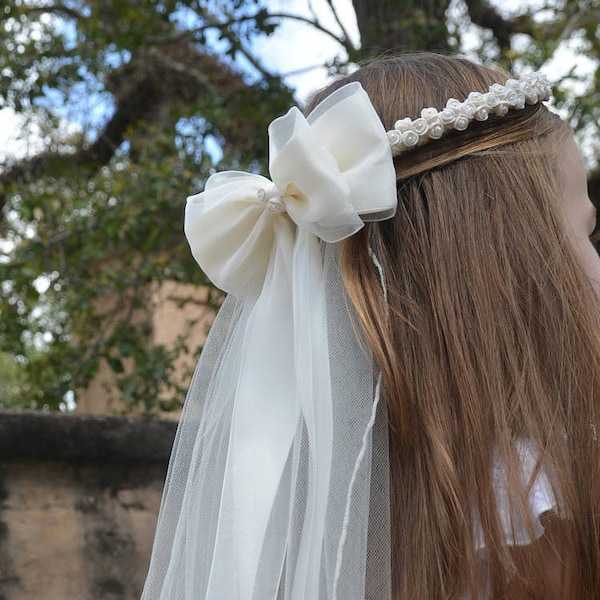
pixel 315 399
pixel 247 561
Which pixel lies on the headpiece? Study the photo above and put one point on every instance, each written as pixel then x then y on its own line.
pixel 433 123
pixel 278 481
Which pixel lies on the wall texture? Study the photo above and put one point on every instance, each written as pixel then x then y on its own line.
pixel 79 497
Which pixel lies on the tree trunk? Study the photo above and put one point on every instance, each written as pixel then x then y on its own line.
pixel 401 25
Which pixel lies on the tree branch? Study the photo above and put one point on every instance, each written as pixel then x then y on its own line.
pixel 346 36
pixel 57 9
pixel 485 15
pixel 154 80
pixel 134 96
pixel 345 43
pixel 178 67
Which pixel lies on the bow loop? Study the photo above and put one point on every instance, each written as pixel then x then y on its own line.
pixel 327 169
pixel 308 177
pixel 232 226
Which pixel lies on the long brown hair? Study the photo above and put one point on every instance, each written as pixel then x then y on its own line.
pixel 488 341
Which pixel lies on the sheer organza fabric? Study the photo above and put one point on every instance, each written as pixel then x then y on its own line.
pixel 351 561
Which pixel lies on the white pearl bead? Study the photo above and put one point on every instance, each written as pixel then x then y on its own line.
pixel 275 205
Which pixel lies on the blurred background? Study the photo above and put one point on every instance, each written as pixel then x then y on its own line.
pixel 111 113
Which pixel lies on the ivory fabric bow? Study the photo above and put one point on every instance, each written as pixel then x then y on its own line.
pixel 327 170
pixel 260 241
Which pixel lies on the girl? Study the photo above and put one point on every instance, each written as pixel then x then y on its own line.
pixel 401 393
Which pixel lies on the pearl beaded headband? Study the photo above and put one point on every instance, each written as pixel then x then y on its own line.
pixel 433 124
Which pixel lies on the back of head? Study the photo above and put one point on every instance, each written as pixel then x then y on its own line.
pixel 487 338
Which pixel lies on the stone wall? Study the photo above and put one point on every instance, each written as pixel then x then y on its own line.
pixel 79 497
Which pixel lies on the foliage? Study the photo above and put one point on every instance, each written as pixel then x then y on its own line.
pixel 131 106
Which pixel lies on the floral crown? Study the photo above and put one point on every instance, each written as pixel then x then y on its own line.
pixel 433 123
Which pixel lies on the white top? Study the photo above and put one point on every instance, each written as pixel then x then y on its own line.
pixel 541 498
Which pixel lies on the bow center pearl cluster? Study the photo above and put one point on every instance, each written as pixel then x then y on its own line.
pixel 271 200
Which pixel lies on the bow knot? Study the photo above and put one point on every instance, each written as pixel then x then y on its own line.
pixel 270 198
pixel 328 170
